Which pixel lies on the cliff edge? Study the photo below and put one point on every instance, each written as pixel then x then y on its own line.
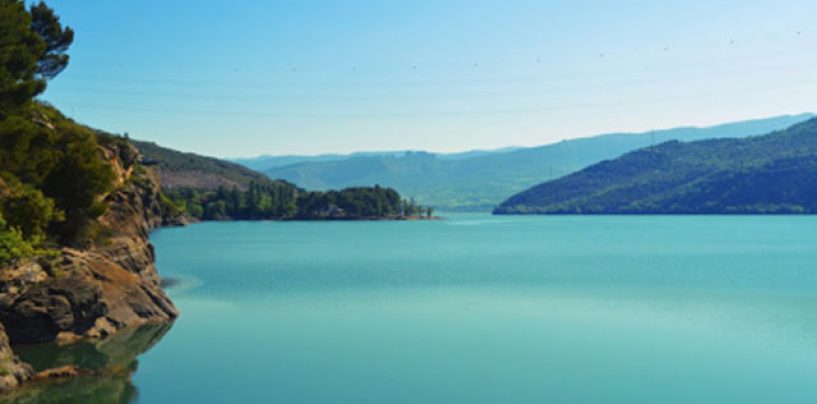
pixel 96 290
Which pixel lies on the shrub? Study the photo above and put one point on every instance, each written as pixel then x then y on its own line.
pixel 12 245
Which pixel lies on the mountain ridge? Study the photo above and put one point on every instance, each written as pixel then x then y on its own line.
pixel 772 173
pixel 179 169
pixel 481 181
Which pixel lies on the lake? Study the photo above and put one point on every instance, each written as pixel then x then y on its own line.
pixel 475 308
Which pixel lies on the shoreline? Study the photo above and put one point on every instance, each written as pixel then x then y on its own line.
pixel 191 221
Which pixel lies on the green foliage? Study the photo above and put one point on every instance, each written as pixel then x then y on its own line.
pixel 46 24
pixel 33 47
pixel 358 202
pixel 56 174
pixel 78 181
pixel 410 208
pixel 20 51
pixel 28 209
pixel 266 200
pixel 262 200
pixel 27 149
pixel 775 173
pixel 12 245
pixel 172 208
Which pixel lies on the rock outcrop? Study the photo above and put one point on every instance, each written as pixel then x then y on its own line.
pixel 94 291
pixel 85 294
pixel 13 372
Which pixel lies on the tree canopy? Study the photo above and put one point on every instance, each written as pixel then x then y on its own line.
pixel 269 200
pixel 33 46
pixel 53 59
pixel 52 172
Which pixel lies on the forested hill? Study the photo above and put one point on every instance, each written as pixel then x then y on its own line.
pixel 188 170
pixel 206 188
pixel 774 173
pixel 480 181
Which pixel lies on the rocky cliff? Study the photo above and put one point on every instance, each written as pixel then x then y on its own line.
pixel 13 372
pixel 98 289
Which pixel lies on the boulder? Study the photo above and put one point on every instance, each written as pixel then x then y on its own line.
pixel 62 372
pixel 86 295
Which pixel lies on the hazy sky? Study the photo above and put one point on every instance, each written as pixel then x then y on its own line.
pixel 243 78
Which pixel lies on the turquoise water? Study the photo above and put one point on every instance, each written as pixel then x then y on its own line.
pixel 490 309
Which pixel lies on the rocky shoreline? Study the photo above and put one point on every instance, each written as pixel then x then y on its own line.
pixel 74 294
pixel 77 294
pixel 108 365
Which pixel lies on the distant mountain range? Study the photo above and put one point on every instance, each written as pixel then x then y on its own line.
pixel 480 180
pixel 774 173
pixel 265 163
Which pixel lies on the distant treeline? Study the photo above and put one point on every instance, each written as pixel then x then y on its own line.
pixel 275 200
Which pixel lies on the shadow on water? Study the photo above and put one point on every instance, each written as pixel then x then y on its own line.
pixel 170 283
pixel 113 362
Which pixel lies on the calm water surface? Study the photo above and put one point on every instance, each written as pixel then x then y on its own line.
pixel 489 309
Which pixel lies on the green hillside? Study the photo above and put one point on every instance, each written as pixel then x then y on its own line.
pixel 774 173
pixel 206 188
pixel 189 170
pixel 481 180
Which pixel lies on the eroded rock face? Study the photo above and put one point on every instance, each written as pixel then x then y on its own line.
pixel 13 372
pixel 93 292
pixel 86 295
pixel 98 290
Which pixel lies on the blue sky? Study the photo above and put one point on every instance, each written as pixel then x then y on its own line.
pixel 228 78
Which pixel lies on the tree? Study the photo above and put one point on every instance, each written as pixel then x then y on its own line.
pixel 29 211
pixel 216 210
pixel 77 183
pixel 33 46
pixel 27 150
pixel 46 24
pixel 20 50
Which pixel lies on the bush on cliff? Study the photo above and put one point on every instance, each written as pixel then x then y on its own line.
pixel 12 245
pixel 56 175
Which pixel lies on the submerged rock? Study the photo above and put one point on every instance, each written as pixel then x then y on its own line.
pixel 62 372
pixel 91 370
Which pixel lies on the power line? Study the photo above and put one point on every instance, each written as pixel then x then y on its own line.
pixel 328 92
pixel 373 114
pixel 685 62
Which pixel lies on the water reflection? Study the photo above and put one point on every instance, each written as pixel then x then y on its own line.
pixel 112 360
